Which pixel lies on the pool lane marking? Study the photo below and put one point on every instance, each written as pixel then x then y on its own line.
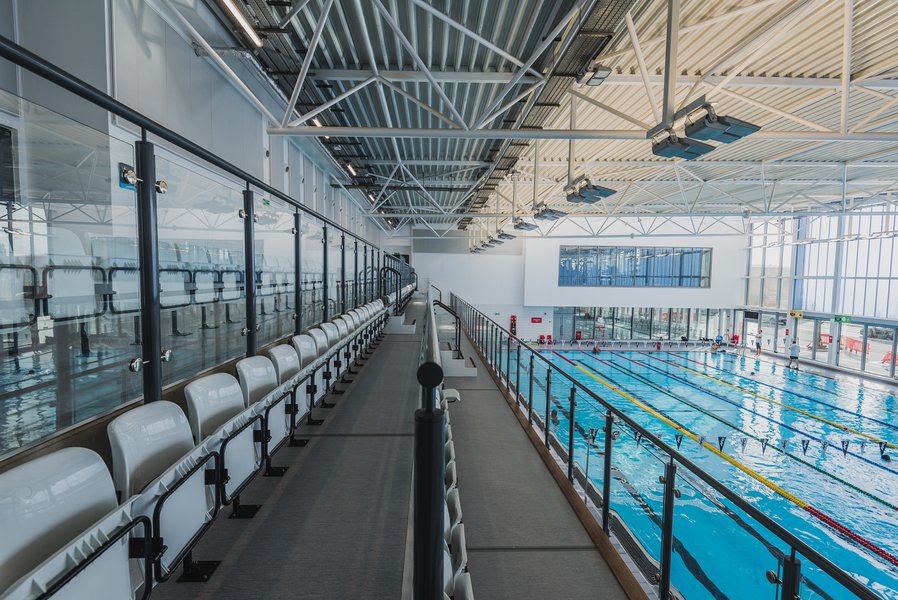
pixel 821 470
pixel 778 403
pixel 806 506
pixel 796 394
pixel 782 424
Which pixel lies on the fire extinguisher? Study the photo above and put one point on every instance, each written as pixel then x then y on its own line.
pixel 514 325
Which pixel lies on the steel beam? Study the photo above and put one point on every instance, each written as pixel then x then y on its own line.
pixel 415 76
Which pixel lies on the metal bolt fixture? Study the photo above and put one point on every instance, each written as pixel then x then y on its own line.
pixel 241 213
pixel 129 176
pixel 161 186
pixel 244 331
pixel 166 355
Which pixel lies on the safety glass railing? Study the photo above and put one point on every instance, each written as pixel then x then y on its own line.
pixel 132 259
pixel 685 529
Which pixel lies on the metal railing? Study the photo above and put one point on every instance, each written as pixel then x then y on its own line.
pixel 490 338
pixel 430 437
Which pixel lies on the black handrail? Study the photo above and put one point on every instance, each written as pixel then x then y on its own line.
pixel 457 325
pixel 25 58
pixel 439 290
pixel 398 284
pixel 784 534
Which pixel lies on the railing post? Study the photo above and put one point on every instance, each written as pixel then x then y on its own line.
pixel 548 403
pixel 791 585
pixel 297 272
pixel 517 376
pixel 606 472
pixel 530 392
pixel 508 366
pixel 148 240
pixel 669 479
pixel 570 436
pixel 249 250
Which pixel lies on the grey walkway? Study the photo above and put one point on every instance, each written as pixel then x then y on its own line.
pixel 524 540
pixel 335 525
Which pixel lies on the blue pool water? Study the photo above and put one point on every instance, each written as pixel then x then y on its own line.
pixel 815 437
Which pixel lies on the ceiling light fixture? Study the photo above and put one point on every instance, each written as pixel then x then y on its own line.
pixel 584 191
pixel 522 225
pixel 719 128
pixel 244 23
pixel 351 169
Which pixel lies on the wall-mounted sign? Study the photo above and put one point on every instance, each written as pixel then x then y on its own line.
pixel 536 319
pixel 842 318
pixel 796 314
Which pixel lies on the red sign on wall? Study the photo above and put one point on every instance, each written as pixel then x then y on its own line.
pixel 536 319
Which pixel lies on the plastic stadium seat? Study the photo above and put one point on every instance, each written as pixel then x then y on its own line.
pixel 451 395
pixel 213 403
pixel 285 361
pixel 453 504
pixel 462 589
pixel 333 334
pixel 48 502
pixel 257 378
pixel 321 342
pixel 459 550
pixel 146 441
pixel 343 327
pixel 306 348
pixel 451 478
pixel 450 451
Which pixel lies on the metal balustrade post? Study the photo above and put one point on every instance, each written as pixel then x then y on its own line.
pixel 517 377
pixel 148 241
pixel 791 582
pixel 508 366
pixel 570 436
pixel 297 271
pixel 606 473
pixel 548 404
pixel 324 291
pixel 670 480
pixel 530 392
pixel 249 251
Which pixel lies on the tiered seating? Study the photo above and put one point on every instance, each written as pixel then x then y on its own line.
pixel 64 527
pixel 457 580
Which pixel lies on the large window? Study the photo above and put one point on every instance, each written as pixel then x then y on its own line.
pixel 634 267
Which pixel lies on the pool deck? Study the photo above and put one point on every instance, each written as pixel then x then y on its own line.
pixel 524 538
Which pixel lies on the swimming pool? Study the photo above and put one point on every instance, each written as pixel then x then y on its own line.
pixel 805 449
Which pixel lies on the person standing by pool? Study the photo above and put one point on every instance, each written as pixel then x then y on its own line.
pixel 794 351
pixel 758 343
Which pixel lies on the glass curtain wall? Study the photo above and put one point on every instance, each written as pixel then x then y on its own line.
pixel 634 266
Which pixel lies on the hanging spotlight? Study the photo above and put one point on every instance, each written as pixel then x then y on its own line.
pixel 503 235
pixel 718 128
pixel 522 225
pixel 544 213
pixel 317 123
pixel 675 147
pixel 351 169
pixel 582 190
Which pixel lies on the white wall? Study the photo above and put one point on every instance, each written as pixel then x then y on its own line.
pixel 727 270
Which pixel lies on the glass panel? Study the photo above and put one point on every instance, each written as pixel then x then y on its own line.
pixel 879 350
pixel 334 272
pixel 679 326
pixel 851 346
pixel 201 271
pixel 312 274
pixel 634 266
pixel 69 292
pixel 660 323
pixel 275 269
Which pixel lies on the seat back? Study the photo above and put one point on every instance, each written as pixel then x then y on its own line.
pixel 306 348
pixel 355 319
pixel 212 401
pixel 48 502
pixel 285 360
pixel 257 378
pixel 146 441
pixel 343 327
pixel 320 338
pixel 332 333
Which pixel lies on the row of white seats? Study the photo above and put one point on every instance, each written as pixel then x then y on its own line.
pixel 456 579
pixel 64 528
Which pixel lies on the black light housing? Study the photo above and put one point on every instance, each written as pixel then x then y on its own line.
pixel 674 147
pixel 719 128
pixel 505 236
pixel 522 225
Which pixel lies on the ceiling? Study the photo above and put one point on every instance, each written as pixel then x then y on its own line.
pixel 454 112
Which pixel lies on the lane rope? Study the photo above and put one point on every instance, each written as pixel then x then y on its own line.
pixel 806 506
pixel 800 411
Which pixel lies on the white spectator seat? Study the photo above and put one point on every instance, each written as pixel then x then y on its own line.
pixel 354 319
pixel 451 479
pixel 48 502
pixel 320 338
pixel 343 328
pixel 448 581
pixel 453 505
pixel 257 378
pixel 462 589
pixel 306 348
pixel 450 451
pixel 285 361
pixel 333 334
pixel 212 401
pixel 146 441
pixel 447 524
pixel 459 551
